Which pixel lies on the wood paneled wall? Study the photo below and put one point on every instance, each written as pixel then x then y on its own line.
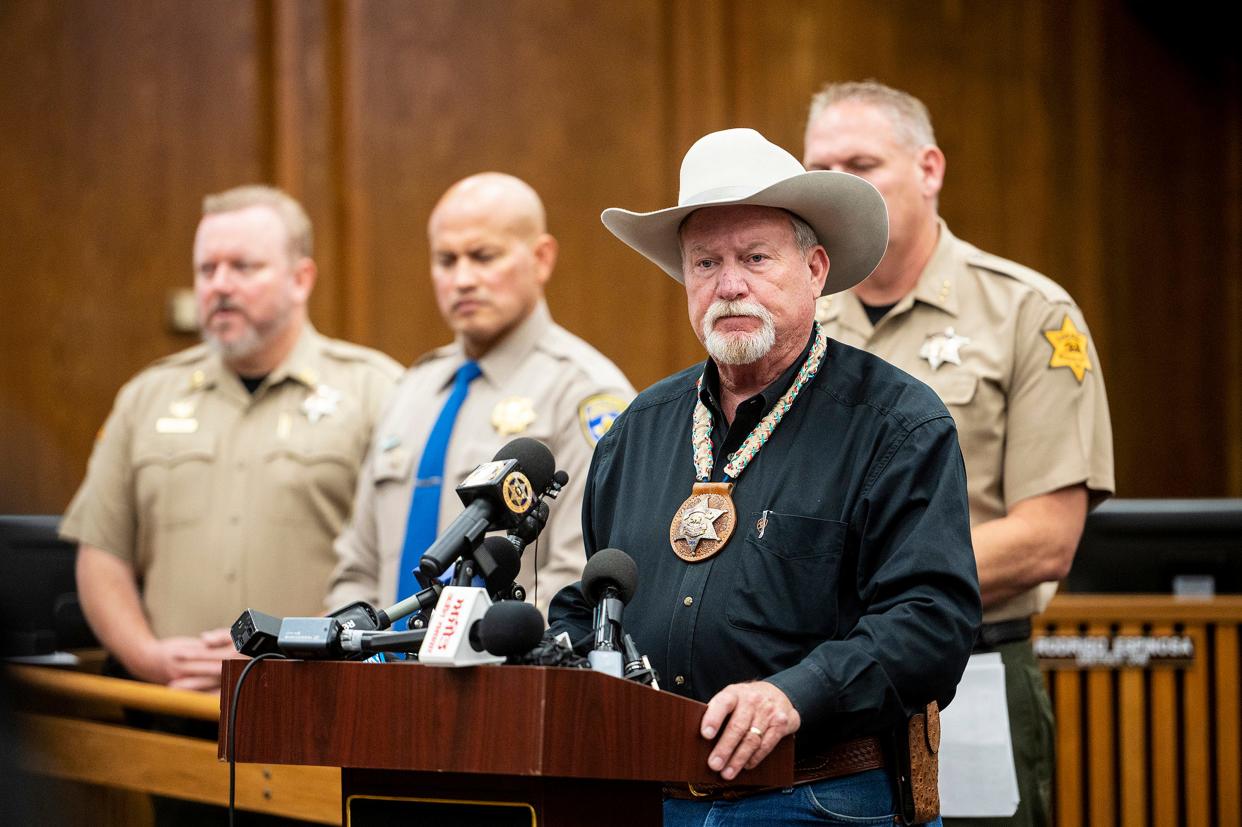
pixel 1098 142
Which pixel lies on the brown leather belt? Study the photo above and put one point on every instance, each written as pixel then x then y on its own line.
pixel 846 758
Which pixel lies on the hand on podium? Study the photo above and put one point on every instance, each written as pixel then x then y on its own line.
pixel 759 716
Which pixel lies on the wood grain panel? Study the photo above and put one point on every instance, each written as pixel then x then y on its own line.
pixel 1197 737
pixel 1046 135
pixel 152 762
pixel 1067 699
pixel 1132 703
pixel 117 117
pixel 1102 742
pixel 566 96
pixel 1226 685
pixel 1099 143
pixel 304 95
pixel 1165 749
pixel 575 723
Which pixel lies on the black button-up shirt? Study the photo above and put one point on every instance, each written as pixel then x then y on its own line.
pixel 849 581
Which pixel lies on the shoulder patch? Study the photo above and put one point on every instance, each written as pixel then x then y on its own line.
pixel 596 414
pixel 1069 348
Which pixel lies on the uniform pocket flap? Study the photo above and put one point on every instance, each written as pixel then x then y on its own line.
pixel 957 388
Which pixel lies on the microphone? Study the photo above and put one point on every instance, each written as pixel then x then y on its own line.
pixel 497 494
pixel 468 629
pixel 417 602
pixel 637 667
pixel 498 562
pixel 508 628
pixel 371 642
pixel 336 635
pixel 530 526
pixel 608 582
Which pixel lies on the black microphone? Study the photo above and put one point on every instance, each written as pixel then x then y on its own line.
pixel 498 562
pixel 637 666
pixel 530 526
pixel 608 583
pixel 508 628
pixel 370 642
pixel 497 494
pixel 417 602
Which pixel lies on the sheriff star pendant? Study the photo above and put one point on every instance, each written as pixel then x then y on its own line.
pixel 702 526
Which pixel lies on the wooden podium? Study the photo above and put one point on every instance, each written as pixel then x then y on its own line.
pixel 495 745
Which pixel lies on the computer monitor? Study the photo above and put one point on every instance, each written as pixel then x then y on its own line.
pixel 1161 547
pixel 39 609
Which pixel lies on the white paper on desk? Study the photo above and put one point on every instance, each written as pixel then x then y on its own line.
pixel 977 777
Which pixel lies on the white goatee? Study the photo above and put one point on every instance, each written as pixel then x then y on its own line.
pixel 738 347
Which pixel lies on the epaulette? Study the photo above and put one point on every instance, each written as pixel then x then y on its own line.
pixel 438 353
pixel 564 346
pixel 343 351
pixel 1046 287
pixel 189 356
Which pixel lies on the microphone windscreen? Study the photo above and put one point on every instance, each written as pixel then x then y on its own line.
pixel 511 627
pixel 609 566
pixel 505 562
pixel 533 457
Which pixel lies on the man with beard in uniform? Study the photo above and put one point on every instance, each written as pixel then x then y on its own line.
pixel 1009 352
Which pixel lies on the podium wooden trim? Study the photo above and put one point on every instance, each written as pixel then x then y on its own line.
pixel 71 728
pixel 549 735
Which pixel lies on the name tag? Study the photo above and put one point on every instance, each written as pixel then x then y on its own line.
pixel 175 425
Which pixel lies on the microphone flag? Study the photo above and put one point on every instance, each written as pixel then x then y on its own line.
pixel 448 634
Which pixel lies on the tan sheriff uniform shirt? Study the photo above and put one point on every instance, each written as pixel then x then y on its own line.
pixel 222 500
pixel 541 382
pixel 1009 353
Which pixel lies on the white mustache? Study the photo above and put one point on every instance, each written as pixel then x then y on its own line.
pixel 739 307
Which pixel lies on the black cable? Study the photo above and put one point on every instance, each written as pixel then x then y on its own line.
pixel 535 600
pixel 232 728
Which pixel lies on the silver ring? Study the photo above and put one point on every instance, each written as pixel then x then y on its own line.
pixel 756 731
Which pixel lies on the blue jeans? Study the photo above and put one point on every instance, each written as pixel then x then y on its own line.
pixel 860 799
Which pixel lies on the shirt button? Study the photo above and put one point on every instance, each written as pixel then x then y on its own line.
pixel 230 576
pixel 234 520
pixel 679 680
pixel 689 601
pixel 241 465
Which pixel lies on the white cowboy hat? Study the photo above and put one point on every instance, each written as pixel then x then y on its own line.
pixel 740 166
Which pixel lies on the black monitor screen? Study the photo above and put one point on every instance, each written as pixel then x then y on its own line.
pixel 1160 547
pixel 39 610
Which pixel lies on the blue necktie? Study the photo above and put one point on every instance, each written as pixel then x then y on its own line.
pixel 424 517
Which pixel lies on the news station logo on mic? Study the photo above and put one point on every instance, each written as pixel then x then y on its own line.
pixel 515 487
pixel 448 634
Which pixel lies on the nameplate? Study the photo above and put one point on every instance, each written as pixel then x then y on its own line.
pixel 1114 651
pixel 175 425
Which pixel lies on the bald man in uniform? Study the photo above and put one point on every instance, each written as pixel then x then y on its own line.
pixel 1009 352
pixel 224 472
pixel 516 374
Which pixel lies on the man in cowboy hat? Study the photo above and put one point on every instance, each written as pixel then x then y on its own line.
pixel 796 507
pixel 1010 354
